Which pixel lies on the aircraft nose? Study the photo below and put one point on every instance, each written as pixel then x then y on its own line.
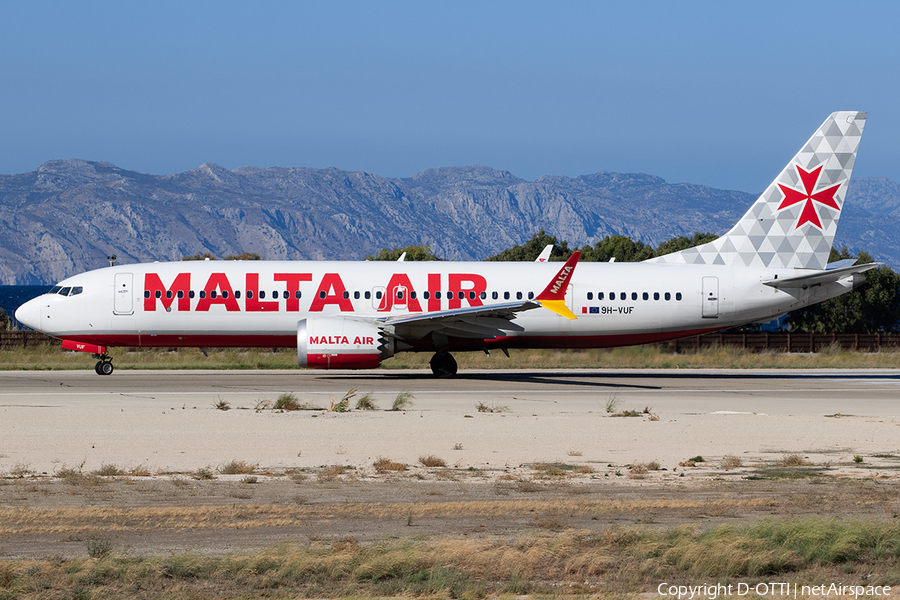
pixel 29 314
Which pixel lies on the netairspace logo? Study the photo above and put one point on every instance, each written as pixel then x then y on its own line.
pixel 779 589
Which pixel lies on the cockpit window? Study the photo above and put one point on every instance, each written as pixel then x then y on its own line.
pixel 55 289
pixel 65 291
pixel 76 290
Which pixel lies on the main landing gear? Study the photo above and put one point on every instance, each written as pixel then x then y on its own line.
pixel 443 364
pixel 104 366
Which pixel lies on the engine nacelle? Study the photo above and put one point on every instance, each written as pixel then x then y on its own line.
pixel 339 343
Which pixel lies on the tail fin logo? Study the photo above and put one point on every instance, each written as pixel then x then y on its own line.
pixel 809 214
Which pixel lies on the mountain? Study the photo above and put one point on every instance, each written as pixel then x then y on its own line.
pixel 68 215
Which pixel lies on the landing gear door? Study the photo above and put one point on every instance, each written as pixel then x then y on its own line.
pixel 124 298
pixel 710 297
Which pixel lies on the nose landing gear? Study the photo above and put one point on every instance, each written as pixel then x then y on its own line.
pixel 104 366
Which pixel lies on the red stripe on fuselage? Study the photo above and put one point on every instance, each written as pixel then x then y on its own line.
pixel 577 342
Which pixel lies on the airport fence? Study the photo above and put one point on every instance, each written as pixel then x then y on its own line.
pixel 787 342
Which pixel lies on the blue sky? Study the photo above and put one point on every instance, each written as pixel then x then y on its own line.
pixel 716 93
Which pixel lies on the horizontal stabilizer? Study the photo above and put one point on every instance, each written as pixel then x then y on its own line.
pixel 818 277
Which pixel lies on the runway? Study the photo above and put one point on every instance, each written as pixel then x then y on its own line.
pixel 166 419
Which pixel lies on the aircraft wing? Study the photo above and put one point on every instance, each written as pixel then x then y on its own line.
pixel 491 321
pixel 479 322
pixel 817 277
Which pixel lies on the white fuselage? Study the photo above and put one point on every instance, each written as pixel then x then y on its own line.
pixel 259 303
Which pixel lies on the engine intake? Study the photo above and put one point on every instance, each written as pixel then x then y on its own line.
pixel 339 343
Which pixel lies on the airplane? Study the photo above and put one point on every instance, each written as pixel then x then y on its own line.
pixel 354 315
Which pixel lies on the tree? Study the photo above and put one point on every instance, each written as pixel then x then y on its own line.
pixel 872 308
pixel 203 256
pixel 620 247
pixel 4 320
pixel 420 252
pixel 530 250
pixel 244 256
pixel 682 242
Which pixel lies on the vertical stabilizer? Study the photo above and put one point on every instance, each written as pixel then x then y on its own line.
pixel 792 224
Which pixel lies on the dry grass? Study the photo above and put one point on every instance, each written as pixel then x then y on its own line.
pixel 220 404
pixel 491 408
pixel 237 467
pixel 107 470
pixel 286 402
pixel 331 472
pixel 386 465
pixel 431 461
pixel 638 357
pixel 794 460
pixel 403 401
pixel 731 461
pixel 557 561
pixel 366 402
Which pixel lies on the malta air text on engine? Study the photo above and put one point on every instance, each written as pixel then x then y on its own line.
pixel 443 291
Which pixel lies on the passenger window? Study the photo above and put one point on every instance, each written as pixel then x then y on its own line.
pixel 484 295
pixel 368 295
pixel 678 296
pixel 494 295
pixel 599 295
pixel 158 294
pixel 531 295
pixel 146 293
pixel 426 295
pixel 506 295
pixel 346 295
pixel 275 295
pixel 634 295
pixel 656 295
pixel 202 294
pixel 437 295
pixel 249 294
pixel 191 294
pixel 321 295
pixel 612 295
pixel 262 294
pixel 237 294
pixel 377 295
pixel 590 295
pixel 399 295
pixel 224 293
pixel 668 296
pixel 356 295
pixel 297 294
pixel 622 295
pixel 213 294
pixel 646 296
pixel 169 294
pixel 518 295
pixel 412 295
pixel 181 294
pixel 471 295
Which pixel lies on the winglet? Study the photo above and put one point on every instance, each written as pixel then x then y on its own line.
pixel 545 253
pixel 554 295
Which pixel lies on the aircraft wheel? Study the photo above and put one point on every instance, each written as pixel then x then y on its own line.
pixel 104 367
pixel 443 364
pixel 97 367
